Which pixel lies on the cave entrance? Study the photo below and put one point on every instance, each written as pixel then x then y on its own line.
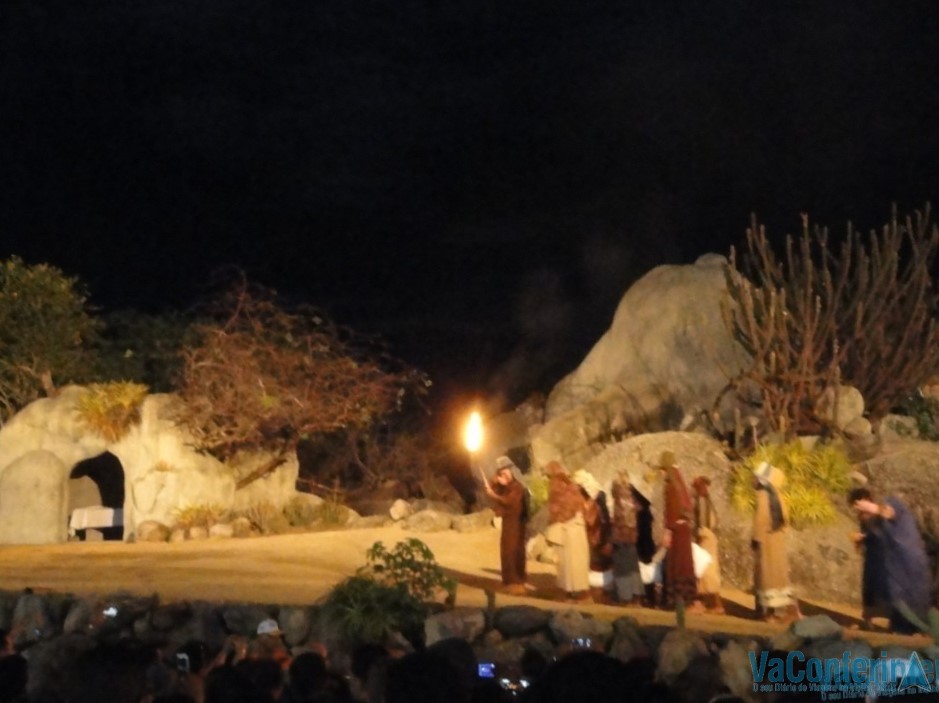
pixel 96 499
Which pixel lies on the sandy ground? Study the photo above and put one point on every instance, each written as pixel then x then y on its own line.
pixel 301 569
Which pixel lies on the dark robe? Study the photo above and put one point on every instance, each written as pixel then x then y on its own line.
pixel 679 577
pixel 896 568
pixel 510 506
pixel 645 542
pixel 624 534
pixel 597 517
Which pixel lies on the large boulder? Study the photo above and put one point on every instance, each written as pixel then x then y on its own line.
pixel 907 468
pixel 666 357
pixel 51 424
pixel 34 499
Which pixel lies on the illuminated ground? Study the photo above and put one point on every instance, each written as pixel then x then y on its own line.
pixel 300 569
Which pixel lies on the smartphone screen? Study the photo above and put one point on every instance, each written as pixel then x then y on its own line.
pixel 487 670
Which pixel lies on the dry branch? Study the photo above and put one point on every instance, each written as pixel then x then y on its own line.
pixel 865 316
pixel 263 377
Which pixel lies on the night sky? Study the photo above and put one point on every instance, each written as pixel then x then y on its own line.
pixel 477 182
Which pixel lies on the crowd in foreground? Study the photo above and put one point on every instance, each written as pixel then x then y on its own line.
pixel 263 671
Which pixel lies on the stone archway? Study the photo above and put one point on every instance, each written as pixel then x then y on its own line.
pixel 98 481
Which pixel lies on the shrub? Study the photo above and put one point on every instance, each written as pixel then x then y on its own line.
pixel 925 411
pixel 812 477
pixel 391 593
pixel 862 314
pixel 267 518
pixel 331 513
pixel 45 333
pixel 199 516
pixel 300 512
pixel 537 484
pixel 111 409
pixel 412 564
pixel 367 611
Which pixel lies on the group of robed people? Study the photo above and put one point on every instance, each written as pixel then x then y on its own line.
pixel 605 550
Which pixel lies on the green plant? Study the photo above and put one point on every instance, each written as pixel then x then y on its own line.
pixel 929 627
pixel 365 610
pixel 925 411
pixel 412 564
pixel 111 409
pixel 742 496
pixel 391 593
pixel 45 333
pixel 812 477
pixel 537 484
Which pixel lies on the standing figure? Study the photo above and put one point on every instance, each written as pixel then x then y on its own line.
pixel 774 599
pixel 679 580
pixel 624 533
pixel 511 504
pixel 896 568
pixel 705 525
pixel 567 531
pixel 646 548
pixel 597 519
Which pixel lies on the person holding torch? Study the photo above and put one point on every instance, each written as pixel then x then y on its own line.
pixel 510 499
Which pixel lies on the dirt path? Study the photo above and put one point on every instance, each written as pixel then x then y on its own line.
pixel 301 569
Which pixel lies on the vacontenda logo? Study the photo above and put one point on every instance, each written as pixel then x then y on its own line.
pixel 843 678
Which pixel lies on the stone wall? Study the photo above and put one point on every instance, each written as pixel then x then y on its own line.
pixel 54 628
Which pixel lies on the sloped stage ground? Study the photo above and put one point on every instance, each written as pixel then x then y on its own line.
pixel 301 569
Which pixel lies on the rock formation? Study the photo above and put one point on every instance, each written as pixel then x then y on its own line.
pixel 664 361
pixel 162 472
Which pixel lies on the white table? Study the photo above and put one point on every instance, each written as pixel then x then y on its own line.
pixel 94 516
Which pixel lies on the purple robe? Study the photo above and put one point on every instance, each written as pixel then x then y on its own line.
pixel 899 545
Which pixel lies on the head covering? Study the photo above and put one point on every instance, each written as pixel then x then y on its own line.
pixel 554 468
pixel 503 462
pixel 269 627
pixel 771 479
pixel 762 472
pixel 701 485
pixel 642 487
pixel 588 482
pixel 668 460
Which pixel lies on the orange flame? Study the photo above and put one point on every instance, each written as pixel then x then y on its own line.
pixel 473 432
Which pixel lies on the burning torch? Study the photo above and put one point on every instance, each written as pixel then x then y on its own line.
pixel 473 439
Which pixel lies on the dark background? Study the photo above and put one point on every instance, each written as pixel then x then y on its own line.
pixel 477 182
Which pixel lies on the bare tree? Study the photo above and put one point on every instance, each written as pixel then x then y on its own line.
pixel 263 376
pixel 865 316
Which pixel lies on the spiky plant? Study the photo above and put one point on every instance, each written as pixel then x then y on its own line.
pixel 929 627
pixel 205 515
pixel 111 409
pixel 267 518
pixel 812 477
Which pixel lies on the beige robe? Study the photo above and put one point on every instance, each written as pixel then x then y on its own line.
pixel 710 581
pixel 569 540
pixel 770 557
pixel 707 523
